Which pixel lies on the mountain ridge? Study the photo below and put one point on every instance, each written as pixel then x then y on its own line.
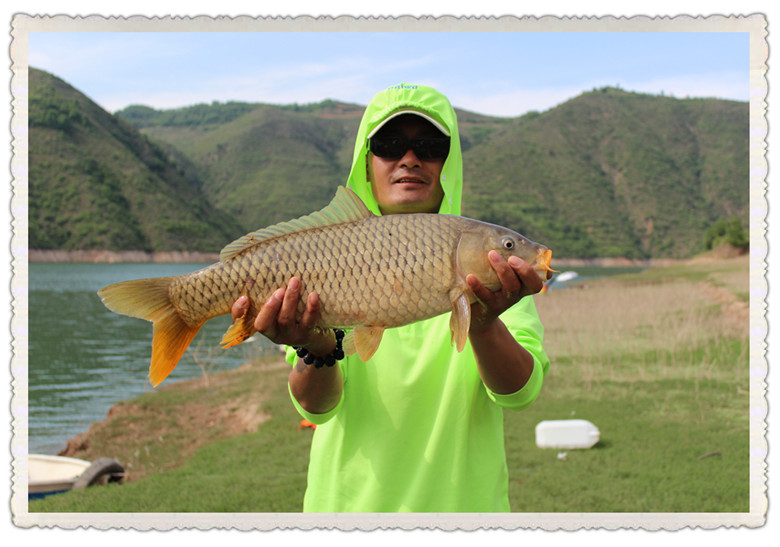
pixel 609 173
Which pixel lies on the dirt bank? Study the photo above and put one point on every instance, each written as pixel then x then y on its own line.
pixel 150 433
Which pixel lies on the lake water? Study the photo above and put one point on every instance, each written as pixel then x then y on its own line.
pixel 84 358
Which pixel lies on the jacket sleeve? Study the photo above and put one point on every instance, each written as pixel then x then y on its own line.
pixel 523 322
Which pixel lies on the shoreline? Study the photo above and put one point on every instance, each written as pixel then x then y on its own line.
pixel 217 408
pixel 118 257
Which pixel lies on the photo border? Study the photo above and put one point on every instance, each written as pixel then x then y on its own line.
pixel 755 24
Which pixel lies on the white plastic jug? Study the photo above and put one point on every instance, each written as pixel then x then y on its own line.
pixel 569 434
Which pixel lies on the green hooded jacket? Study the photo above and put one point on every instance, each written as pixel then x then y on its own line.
pixel 405 98
pixel 416 429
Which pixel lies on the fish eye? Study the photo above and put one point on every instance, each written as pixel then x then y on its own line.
pixel 508 243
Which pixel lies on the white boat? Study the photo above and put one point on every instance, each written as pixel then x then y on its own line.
pixel 565 276
pixel 54 474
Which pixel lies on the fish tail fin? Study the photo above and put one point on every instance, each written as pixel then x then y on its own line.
pixel 149 299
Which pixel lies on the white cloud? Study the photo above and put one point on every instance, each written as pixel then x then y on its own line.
pixel 724 85
pixel 516 103
pixel 163 71
pixel 721 85
pixel 351 79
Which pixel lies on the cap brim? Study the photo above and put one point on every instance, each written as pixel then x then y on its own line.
pixel 433 122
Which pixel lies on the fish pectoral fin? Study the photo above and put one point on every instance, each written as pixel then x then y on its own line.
pixel 460 320
pixel 364 341
pixel 241 329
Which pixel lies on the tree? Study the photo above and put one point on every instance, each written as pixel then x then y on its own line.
pixel 727 231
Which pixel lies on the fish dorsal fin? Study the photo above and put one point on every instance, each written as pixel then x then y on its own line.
pixel 346 206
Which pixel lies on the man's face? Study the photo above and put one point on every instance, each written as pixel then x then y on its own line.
pixel 407 184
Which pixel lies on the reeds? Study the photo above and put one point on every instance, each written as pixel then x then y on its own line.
pixel 627 331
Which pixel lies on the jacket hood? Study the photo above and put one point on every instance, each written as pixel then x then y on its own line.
pixel 432 105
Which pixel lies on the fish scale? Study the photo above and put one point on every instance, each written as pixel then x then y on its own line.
pixel 386 254
pixel 370 272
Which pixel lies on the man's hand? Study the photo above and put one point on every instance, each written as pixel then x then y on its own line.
pixel 504 365
pixel 316 390
pixel 277 320
pixel 518 280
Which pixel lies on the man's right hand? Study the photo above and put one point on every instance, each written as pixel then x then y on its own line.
pixel 316 390
pixel 277 319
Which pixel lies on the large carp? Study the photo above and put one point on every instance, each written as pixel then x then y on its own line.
pixel 370 272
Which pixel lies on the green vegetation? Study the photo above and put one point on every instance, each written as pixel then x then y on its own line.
pixel 730 232
pixel 658 361
pixel 178 445
pixel 612 173
pixel 608 173
pixel 200 114
pixel 95 182
pixel 49 109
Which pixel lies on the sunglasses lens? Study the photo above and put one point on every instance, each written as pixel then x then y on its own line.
pixel 433 148
pixel 390 148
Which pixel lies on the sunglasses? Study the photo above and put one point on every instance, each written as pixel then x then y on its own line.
pixel 425 148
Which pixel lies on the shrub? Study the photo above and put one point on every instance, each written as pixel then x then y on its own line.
pixel 727 231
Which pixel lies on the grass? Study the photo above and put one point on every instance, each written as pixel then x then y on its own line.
pixel 670 445
pixel 657 361
pixel 191 458
pixel 663 372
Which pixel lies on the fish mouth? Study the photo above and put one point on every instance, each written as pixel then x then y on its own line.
pixel 542 263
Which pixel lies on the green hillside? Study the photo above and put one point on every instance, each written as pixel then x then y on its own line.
pixel 606 174
pixel 95 182
pixel 272 163
pixel 611 173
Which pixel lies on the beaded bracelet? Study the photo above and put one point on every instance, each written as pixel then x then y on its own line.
pixel 328 360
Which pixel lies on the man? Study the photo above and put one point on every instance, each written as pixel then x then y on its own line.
pixel 419 427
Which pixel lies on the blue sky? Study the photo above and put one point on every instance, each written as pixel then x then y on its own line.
pixel 503 74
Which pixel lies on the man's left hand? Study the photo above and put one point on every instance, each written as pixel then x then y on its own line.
pixel 518 280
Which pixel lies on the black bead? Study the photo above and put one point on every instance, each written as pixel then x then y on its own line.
pixel 329 360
